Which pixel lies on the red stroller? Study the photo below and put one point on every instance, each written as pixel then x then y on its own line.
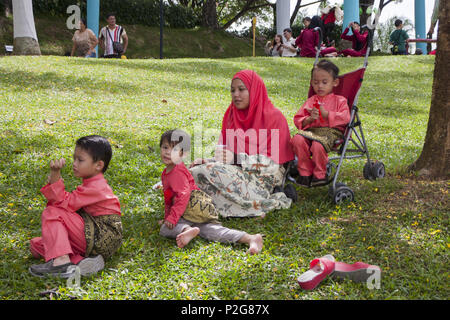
pixel 349 87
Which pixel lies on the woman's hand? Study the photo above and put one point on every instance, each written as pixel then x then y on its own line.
pixel 223 155
pixel 198 162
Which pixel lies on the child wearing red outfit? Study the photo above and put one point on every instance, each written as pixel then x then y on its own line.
pixel 358 39
pixel 321 121
pixel 308 40
pixel 188 210
pixel 82 227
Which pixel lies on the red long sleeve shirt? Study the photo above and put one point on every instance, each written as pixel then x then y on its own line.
pixel 307 42
pixel 355 39
pixel 338 112
pixel 94 195
pixel 177 186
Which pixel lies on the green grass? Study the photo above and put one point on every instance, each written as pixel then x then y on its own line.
pixel 399 223
pixel 56 39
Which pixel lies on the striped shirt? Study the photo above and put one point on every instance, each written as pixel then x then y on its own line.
pixel 116 34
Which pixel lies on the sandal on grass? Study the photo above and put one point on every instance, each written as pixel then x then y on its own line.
pixel 320 268
pixel 358 271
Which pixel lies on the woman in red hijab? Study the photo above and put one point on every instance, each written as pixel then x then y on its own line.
pixel 253 146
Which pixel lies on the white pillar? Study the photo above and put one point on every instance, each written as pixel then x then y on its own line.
pixel 283 15
pixel 25 38
pixel 23 19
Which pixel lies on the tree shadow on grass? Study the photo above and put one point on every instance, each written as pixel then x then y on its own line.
pixel 18 81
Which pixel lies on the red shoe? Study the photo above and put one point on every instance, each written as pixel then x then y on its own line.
pixel 320 268
pixel 358 271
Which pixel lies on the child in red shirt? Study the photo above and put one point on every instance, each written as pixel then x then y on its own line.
pixel 188 210
pixel 321 121
pixel 82 223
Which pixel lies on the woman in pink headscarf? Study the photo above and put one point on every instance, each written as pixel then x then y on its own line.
pixel 253 146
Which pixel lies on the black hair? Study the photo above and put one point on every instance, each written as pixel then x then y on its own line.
pixel 175 137
pixel 279 36
pixel 316 22
pixel 288 30
pixel 110 14
pixel 98 148
pixel 398 22
pixel 307 19
pixel 84 22
pixel 328 66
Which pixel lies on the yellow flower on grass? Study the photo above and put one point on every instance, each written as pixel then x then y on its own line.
pixel 370 248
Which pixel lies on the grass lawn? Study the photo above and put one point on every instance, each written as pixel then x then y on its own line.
pixel 399 223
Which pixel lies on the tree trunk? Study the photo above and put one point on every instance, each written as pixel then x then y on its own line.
pixel 295 12
pixel 434 161
pixel 364 5
pixel 25 38
pixel 209 15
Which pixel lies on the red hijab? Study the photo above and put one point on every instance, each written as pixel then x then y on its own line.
pixel 264 129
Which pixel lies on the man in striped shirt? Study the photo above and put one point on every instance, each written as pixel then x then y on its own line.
pixel 112 33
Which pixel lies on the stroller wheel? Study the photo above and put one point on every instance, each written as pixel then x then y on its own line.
pixel 342 193
pixel 378 170
pixel 367 171
pixel 290 192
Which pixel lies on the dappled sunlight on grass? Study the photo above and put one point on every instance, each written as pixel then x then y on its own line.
pixel 399 223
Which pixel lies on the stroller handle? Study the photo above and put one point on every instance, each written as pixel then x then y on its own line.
pixel 318 45
pixel 369 43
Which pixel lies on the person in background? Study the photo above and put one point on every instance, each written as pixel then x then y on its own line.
pixel 84 42
pixel 289 46
pixel 112 33
pixel 358 39
pixel 398 38
pixel 274 48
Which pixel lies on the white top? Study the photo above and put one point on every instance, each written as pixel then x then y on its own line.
pixel 287 52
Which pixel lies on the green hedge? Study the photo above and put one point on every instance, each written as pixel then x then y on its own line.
pixel 144 12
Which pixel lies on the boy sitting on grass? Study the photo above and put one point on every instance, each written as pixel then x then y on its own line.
pixel 188 210
pixel 83 227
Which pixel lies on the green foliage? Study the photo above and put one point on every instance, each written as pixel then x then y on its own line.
pixel 144 12
pixel 397 223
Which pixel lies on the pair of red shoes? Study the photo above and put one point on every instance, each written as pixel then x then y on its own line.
pixel 320 268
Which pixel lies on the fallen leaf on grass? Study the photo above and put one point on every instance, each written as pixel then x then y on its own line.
pixel 49 122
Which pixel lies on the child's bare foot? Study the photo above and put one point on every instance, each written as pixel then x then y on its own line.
pixel 255 244
pixel 186 236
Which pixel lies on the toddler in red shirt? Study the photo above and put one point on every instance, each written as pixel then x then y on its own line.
pixel 188 210
pixel 321 121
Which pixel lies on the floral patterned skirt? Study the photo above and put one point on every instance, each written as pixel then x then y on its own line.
pixel 243 191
